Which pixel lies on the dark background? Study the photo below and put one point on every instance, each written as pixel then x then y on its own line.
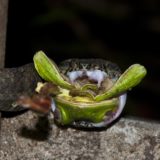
pixel 125 32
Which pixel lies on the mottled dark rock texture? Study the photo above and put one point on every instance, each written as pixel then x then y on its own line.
pixel 3 28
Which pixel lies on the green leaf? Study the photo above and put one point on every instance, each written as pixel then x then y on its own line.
pixel 89 86
pixel 78 92
pixel 95 112
pixel 130 78
pixel 48 70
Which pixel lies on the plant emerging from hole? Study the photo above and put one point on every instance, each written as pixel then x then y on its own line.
pixel 82 93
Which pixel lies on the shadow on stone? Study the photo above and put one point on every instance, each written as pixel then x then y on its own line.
pixel 96 129
pixel 12 114
pixel 39 132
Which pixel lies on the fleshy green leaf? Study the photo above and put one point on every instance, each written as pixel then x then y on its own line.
pixel 48 70
pixel 77 92
pixel 95 112
pixel 130 78
pixel 89 86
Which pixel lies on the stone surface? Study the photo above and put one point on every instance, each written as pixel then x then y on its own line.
pixel 30 137
pixel 3 24
pixel 15 82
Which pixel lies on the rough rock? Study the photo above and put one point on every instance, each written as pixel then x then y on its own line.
pixel 15 82
pixel 3 28
pixel 31 137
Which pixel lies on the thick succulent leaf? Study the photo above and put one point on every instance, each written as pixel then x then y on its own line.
pixel 77 92
pixel 130 78
pixel 48 70
pixel 89 86
pixel 94 112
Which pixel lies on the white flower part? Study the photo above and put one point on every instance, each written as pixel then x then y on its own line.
pixel 122 102
pixel 96 75
pixel 53 105
pixel 74 75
